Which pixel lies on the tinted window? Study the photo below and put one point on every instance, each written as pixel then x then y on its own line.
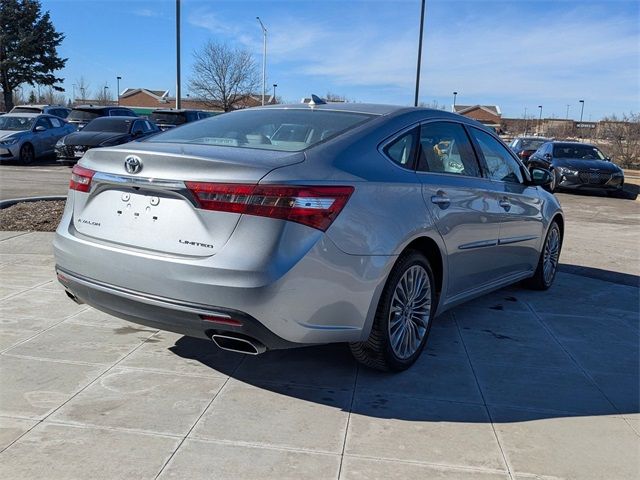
pixel 84 115
pixel 169 118
pixel 107 124
pixel 445 148
pixel 55 122
pixel 499 162
pixel 402 149
pixel 585 152
pixel 43 122
pixel 295 129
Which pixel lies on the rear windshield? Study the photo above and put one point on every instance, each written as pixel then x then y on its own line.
pixel 169 118
pixel 108 124
pixel 288 130
pixel 584 152
pixel 26 110
pixel 531 144
pixel 83 115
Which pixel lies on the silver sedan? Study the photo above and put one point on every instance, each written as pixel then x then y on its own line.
pixel 283 226
pixel 27 136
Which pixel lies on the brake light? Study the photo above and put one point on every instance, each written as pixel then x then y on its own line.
pixel 81 178
pixel 314 206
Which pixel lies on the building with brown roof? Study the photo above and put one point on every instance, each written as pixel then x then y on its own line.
pixel 489 115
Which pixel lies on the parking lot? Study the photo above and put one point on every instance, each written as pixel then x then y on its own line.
pixel 517 384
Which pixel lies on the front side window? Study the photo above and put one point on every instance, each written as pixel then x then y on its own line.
pixel 56 123
pixel 500 164
pixel 402 150
pixel 43 122
pixel 445 148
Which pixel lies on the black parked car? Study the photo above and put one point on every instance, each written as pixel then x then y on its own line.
pixel 83 114
pixel 167 118
pixel 103 132
pixel 578 166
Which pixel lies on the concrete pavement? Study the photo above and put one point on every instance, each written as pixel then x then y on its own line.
pixel 518 384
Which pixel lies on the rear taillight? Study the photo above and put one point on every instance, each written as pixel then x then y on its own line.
pixel 314 206
pixel 81 178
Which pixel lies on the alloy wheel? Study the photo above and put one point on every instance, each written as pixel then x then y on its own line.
pixel 410 311
pixel 551 254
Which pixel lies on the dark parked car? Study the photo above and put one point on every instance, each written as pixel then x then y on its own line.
pixel 83 114
pixel 524 147
pixel 103 132
pixel 169 118
pixel 578 166
pixel 55 110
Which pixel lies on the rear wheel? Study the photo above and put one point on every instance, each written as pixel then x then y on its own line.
pixel 403 318
pixel 27 154
pixel 548 264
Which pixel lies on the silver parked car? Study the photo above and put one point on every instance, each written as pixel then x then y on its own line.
pixel 283 226
pixel 27 136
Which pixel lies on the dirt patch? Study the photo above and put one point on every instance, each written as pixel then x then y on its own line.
pixel 43 216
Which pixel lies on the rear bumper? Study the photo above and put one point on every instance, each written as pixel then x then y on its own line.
pixel 326 296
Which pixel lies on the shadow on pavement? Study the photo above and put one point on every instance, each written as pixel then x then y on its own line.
pixel 600 274
pixel 524 366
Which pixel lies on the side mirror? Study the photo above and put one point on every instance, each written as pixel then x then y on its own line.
pixel 609 159
pixel 39 128
pixel 540 176
pixel 138 133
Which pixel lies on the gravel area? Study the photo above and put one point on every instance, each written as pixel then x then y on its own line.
pixel 42 216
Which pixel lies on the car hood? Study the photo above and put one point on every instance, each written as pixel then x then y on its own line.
pixel 580 164
pixel 6 134
pixel 93 139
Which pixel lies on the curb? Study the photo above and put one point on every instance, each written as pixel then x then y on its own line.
pixel 12 201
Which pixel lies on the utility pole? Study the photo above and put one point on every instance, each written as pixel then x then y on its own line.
pixel 415 100
pixel 178 92
pixel 264 59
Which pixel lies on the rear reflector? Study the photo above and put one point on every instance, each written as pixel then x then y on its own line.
pixel 314 206
pixel 81 178
pixel 221 320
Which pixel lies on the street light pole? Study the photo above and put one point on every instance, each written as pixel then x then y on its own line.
pixel 264 59
pixel 581 109
pixel 274 91
pixel 74 92
pixel 415 100
pixel 178 91
pixel 568 105
pixel 455 94
pixel 105 93
pixel 118 92
pixel 526 121
pixel 540 120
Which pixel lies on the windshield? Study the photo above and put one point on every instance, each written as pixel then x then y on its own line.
pixel 108 124
pixel 585 152
pixel 287 130
pixel 169 118
pixel 26 110
pixel 531 144
pixel 82 115
pixel 18 124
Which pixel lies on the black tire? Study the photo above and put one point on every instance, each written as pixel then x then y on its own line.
pixel 540 281
pixel 377 351
pixel 27 154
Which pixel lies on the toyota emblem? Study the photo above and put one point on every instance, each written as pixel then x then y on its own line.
pixel 132 164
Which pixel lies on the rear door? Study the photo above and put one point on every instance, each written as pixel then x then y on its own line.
pixel 464 207
pixel 521 206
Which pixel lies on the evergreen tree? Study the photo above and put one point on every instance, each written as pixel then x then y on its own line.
pixel 28 47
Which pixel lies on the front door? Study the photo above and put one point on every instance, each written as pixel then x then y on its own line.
pixel 465 210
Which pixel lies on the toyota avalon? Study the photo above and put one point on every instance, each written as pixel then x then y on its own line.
pixel 282 226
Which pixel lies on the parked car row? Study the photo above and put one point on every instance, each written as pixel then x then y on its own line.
pixel 573 165
pixel 32 131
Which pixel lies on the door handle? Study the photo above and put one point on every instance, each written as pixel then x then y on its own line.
pixel 441 199
pixel 505 203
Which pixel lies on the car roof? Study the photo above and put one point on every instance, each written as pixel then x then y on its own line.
pixel 175 110
pixel 119 117
pixel 571 144
pixel 97 107
pixel 369 108
pixel 32 105
pixel 28 115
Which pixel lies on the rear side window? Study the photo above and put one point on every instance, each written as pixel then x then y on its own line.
pixel 445 148
pixel 402 150
pixel 55 122
pixel 500 164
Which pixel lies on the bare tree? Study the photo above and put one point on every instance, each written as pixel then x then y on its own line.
pixel 622 138
pixel 103 96
pixel 82 88
pixel 334 97
pixel 223 76
pixel 51 97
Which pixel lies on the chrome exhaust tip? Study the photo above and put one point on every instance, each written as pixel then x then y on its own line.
pixel 238 344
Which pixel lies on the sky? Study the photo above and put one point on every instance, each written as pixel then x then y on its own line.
pixel 515 54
